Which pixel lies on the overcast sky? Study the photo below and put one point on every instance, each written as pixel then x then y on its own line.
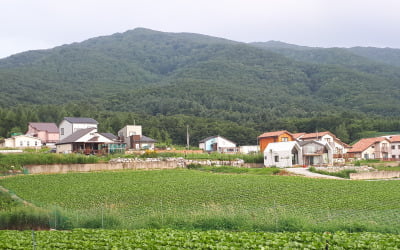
pixel 39 24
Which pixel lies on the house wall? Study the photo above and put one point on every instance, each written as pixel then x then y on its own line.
pixel 70 128
pixel 53 137
pixel 64 148
pixel 263 142
pixel 395 150
pixel 249 149
pixel 26 142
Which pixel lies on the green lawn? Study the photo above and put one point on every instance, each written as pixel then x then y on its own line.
pixel 191 199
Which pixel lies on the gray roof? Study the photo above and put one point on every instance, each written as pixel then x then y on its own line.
pixel 45 126
pixel 146 139
pixel 110 136
pixel 81 120
pixel 75 136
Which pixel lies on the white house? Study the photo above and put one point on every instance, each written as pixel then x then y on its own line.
pixel 283 154
pixel 70 125
pixel 21 141
pixel 218 144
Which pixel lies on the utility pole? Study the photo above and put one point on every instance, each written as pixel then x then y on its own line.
pixel 187 136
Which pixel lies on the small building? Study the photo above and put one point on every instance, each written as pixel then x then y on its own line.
pixel 270 137
pixel 395 147
pixel 249 149
pixel 371 148
pixel 21 141
pixel 125 134
pixel 218 144
pixel 47 132
pixel 89 141
pixel 283 154
pixel 316 153
pixel 70 125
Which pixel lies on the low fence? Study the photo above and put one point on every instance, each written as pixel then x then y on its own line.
pixel 375 175
pixel 128 163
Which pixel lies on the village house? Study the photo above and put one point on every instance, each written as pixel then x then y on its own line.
pixel 218 144
pixel 89 141
pixel 339 148
pixel 316 153
pixel 132 136
pixel 276 136
pixel 292 153
pixel 371 148
pixel 47 132
pixel 70 125
pixel 21 141
pixel 249 149
pixel 394 146
pixel 283 154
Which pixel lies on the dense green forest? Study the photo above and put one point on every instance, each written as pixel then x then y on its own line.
pixel 165 81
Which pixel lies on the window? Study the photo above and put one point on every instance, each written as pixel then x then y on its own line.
pixel 27 143
pixel 284 139
pixel 372 146
pixel 62 131
pixel 276 158
pixel 328 139
pixel 21 143
pixel 398 147
pixel 366 156
pixel 393 147
pixel 393 156
pixel 35 143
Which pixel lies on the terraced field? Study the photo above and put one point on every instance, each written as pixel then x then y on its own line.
pixel 190 199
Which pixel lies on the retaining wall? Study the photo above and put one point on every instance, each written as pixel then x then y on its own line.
pixel 65 168
pixel 375 175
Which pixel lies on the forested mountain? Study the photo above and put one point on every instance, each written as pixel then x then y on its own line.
pixel 261 86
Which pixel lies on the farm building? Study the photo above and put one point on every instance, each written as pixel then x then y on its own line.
pixel 371 148
pixel 70 125
pixel 276 136
pixel 21 141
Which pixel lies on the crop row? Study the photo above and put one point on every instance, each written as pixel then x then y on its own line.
pixel 177 239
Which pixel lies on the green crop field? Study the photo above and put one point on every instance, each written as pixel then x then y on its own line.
pixel 176 239
pixel 191 199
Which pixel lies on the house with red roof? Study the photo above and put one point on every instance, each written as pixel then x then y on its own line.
pixel 47 132
pixel 371 148
pixel 276 136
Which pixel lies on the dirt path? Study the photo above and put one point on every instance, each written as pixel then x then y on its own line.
pixel 305 172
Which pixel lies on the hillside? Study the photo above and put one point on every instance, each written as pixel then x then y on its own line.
pixel 156 73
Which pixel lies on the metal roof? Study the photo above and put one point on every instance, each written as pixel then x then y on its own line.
pixel 75 136
pixel 44 126
pixel 81 120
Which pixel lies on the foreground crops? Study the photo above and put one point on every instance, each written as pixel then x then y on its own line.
pixel 189 199
pixel 176 239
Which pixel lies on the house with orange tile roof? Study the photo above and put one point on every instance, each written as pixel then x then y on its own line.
pixel 371 148
pixel 276 136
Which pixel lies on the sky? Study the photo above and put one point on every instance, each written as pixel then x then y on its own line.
pixel 42 24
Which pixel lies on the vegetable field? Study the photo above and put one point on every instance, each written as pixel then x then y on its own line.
pixel 190 199
pixel 176 239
